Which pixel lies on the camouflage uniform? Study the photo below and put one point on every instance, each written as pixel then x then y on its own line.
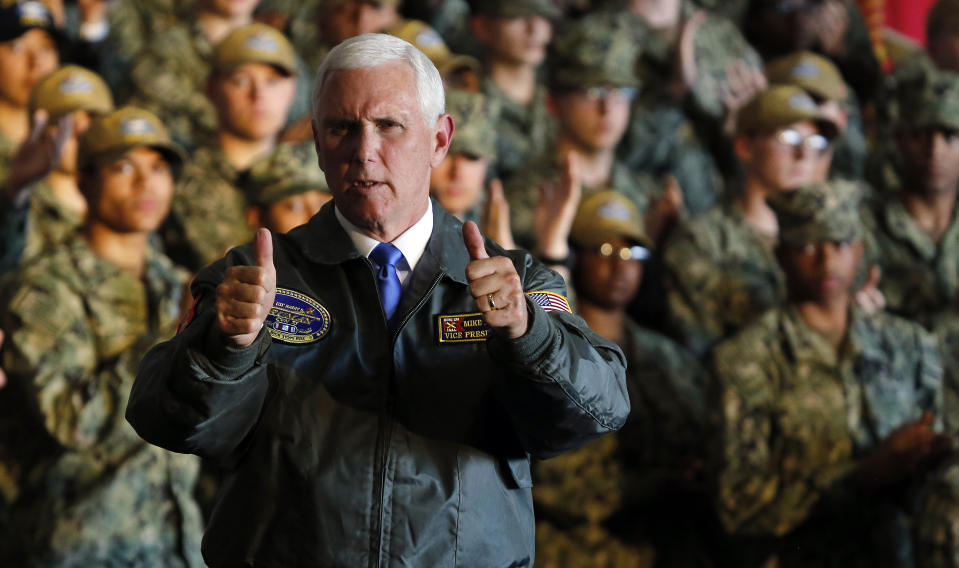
pixel 796 415
pixel 169 79
pixel 84 488
pixel 207 216
pixel 8 148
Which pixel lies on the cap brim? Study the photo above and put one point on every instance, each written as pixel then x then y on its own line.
pixel 455 62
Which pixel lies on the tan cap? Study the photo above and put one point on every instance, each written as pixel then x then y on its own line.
pixel 255 43
pixel 607 215
pixel 68 89
pixel 814 73
pixel 427 40
pixel 331 4
pixel 122 130
pixel 779 106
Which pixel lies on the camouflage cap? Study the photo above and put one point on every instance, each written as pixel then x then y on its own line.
pixel 932 105
pixel 474 117
pixel 607 215
pixel 820 212
pixel 943 18
pixel 122 130
pixel 17 18
pixel 515 8
pixel 255 43
pixel 814 73
pixel 284 174
pixel 427 40
pixel 592 52
pixel 779 106
pixel 68 89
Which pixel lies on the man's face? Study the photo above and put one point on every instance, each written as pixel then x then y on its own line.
pixel 23 62
pixel 786 27
pixel 294 211
pixel 239 9
pixel 594 119
pixel 819 272
pixel 253 101
pixel 375 147
pixel 944 51
pixel 607 280
pixel 519 41
pixel 931 160
pixel 133 192
pixel 353 18
pixel 458 182
pixel 785 159
pixel 658 14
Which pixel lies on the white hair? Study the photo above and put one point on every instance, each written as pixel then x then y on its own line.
pixel 371 50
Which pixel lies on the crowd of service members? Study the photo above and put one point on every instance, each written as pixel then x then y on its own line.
pixel 755 199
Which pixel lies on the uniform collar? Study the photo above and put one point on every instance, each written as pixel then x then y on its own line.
pixel 806 345
pixel 412 243
pixel 902 226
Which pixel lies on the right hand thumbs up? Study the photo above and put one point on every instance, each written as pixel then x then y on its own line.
pixel 246 295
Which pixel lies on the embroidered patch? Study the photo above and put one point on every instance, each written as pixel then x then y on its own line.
pixel 461 328
pixel 188 318
pixel 549 301
pixel 297 318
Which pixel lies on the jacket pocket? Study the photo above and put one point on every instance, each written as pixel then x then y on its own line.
pixel 517 472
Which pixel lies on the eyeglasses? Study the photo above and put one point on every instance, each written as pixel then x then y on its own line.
pixel 597 93
pixel 636 252
pixel 793 139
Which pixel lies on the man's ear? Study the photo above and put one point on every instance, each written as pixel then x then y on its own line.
pixel 442 138
pixel 316 143
pixel 743 146
pixel 480 29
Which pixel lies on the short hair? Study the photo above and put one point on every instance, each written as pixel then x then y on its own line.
pixel 371 50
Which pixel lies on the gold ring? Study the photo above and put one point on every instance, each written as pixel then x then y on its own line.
pixel 489 298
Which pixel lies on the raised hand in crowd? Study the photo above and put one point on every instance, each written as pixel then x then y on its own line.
pixel 495 218
pixel 38 154
pixel 870 298
pixel 741 86
pixel 555 209
pixel 664 210
pixel 907 450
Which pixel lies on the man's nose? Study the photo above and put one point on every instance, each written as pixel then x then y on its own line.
pixel 367 144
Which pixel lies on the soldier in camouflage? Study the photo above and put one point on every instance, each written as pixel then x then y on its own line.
pixel 515 35
pixel 719 269
pixel 914 232
pixel 591 83
pixel 252 87
pixel 826 414
pixel 457 183
pixel 83 489
pixel 821 79
pixel 634 499
pixel 282 192
pixel 28 51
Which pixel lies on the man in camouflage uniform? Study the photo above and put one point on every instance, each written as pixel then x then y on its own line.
pixel 457 183
pixel 252 87
pixel 591 83
pixel 515 35
pixel 914 233
pixel 629 499
pixel 719 269
pixel 821 79
pixel 83 489
pixel 170 75
pixel 282 192
pixel 832 393
pixel 28 51
pixel 826 413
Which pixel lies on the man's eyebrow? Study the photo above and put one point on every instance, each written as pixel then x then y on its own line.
pixel 340 121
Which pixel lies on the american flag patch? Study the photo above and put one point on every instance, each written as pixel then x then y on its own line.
pixel 549 301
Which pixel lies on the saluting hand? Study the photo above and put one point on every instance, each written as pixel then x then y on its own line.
pixel 496 287
pixel 245 296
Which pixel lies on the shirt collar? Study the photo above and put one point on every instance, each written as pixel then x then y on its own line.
pixel 411 243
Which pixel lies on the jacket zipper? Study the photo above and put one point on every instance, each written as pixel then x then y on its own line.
pixel 385 432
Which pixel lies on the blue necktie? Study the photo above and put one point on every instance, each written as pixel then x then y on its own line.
pixel 385 256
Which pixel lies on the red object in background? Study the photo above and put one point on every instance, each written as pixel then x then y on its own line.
pixel 908 17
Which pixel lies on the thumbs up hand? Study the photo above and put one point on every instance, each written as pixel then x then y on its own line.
pixel 495 286
pixel 245 296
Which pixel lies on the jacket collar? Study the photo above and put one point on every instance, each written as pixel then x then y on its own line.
pixel 324 241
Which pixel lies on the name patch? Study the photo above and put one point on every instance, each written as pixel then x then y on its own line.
pixel 461 328
pixel 297 318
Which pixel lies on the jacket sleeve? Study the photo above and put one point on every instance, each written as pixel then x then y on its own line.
pixel 566 385
pixel 193 394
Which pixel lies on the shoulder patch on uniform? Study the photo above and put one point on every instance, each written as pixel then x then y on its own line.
pixel 550 301
pixel 461 328
pixel 297 318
